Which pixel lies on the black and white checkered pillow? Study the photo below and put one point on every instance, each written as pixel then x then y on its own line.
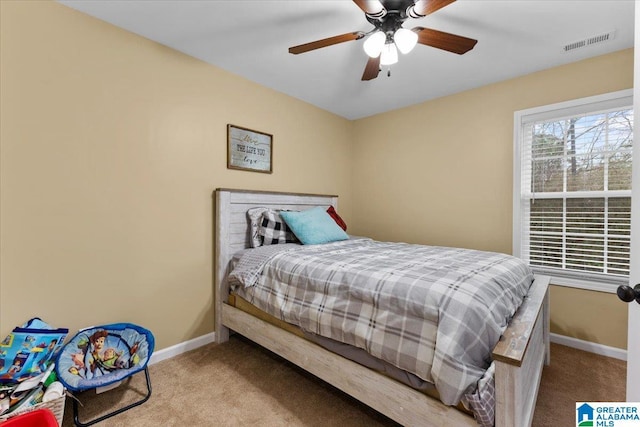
pixel 274 230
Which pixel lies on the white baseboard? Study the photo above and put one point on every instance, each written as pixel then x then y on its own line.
pixel 591 347
pixel 603 350
pixel 183 347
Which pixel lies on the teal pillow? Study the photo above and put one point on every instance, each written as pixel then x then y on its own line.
pixel 314 226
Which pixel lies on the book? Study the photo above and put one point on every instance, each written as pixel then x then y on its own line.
pixel 29 350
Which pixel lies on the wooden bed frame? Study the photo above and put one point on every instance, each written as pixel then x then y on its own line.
pixel 519 356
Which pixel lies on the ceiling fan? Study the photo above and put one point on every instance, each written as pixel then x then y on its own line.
pixel 388 36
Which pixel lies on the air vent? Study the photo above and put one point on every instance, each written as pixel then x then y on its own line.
pixel 600 38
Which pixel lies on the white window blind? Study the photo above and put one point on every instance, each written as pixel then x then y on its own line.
pixel 573 202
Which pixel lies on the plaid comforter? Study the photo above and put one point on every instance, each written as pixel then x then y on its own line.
pixel 433 311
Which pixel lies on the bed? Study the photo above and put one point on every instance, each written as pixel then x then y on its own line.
pixel 519 355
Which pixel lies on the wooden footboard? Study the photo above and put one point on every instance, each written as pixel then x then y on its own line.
pixel 519 355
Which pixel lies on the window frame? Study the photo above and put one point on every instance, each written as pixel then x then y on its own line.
pixel 592 104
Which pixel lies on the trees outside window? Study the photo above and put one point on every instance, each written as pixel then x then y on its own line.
pixel 572 207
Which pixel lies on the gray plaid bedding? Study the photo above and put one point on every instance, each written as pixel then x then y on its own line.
pixel 433 311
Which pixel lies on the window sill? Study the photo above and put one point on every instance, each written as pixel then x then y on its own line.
pixel 582 283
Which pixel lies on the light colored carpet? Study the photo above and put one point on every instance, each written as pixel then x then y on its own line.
pixel 240 384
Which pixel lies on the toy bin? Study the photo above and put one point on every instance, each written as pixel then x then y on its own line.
pixel 34 417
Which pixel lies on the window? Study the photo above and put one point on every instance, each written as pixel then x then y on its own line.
pixel 572 190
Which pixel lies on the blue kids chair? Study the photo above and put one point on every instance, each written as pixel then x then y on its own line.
pixel 103 355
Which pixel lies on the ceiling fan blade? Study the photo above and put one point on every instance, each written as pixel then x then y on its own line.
pixel 326 42
pixel 371 7
pixel 425 7
pixel 444 41
pixel 372 68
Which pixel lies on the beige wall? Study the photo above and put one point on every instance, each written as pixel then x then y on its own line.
pixel 441 173
pixel 111 148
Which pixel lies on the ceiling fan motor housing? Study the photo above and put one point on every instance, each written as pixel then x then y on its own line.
pixel 388 24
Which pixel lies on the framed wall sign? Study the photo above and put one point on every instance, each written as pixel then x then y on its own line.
pixel 249 149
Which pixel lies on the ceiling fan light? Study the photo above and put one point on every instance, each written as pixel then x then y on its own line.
pixel 374 44
pixel 405 40
pixel 389 54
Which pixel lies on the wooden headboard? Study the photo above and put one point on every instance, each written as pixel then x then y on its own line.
pixel 232 231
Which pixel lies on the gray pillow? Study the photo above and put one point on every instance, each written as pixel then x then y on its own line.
pixel 255 219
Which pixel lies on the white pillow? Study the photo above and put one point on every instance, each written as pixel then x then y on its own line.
pixel 254 215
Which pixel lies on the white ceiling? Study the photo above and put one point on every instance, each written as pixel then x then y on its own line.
pixel 251 38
